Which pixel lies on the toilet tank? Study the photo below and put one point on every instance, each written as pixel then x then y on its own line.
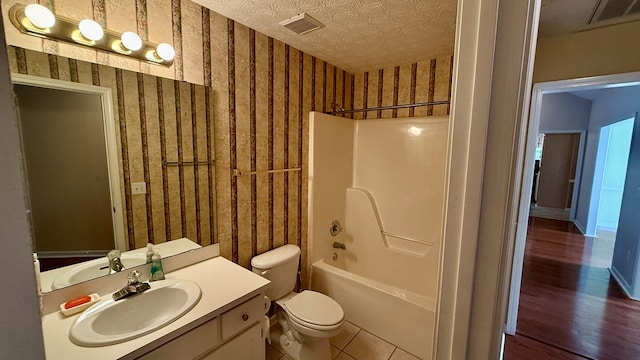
pixel 280 266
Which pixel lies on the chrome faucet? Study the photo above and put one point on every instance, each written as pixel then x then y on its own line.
pixel 115 264
pixel 134 286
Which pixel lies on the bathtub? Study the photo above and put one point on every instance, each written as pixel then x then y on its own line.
pixel 401 317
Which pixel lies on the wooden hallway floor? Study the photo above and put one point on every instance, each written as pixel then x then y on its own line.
pixel 570 305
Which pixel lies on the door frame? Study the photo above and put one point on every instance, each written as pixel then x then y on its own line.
pixel 598 182
pixel 522 202
pixel 110 140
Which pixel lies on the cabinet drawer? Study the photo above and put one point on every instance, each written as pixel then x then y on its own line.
pixel 188 346
pixel 242 316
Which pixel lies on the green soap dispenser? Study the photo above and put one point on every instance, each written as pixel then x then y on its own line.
pixel 156 266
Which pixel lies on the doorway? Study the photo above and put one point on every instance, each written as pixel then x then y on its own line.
pixel 600 118
pixel 557 172
pixel 585 214
pixel 611 169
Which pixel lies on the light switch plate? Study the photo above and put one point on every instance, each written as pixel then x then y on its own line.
pixel 139 188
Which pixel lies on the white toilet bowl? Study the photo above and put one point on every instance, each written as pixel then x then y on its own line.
pixel 308 320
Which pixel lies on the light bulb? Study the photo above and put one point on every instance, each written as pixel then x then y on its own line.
pixel 165 51
pixel 40 16
pixel 131 41
pixel 91 30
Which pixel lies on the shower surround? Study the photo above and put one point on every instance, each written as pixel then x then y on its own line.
pixel 384 180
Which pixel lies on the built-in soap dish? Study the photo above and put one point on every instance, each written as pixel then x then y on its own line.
pixel 79 304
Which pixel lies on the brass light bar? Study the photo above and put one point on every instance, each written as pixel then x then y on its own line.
pixel 66 29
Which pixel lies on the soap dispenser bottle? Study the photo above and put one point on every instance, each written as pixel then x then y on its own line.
pixel 157 273
pixel 149 253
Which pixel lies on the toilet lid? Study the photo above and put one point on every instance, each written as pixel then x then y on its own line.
pixel 315 308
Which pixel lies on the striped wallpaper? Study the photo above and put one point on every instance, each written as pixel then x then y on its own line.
pixel 251 95
pixel 419 82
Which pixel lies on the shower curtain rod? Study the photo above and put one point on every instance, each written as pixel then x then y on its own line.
pixel 390 107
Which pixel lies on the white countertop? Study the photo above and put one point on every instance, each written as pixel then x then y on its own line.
pixel 223 284
pixel 166 249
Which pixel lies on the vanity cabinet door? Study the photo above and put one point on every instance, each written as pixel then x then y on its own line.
pixel 188 346
pixel 247 346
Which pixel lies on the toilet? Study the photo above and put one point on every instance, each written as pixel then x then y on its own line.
pixel 309 318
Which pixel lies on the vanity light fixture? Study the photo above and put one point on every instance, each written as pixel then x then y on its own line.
pixel 90 29
pixel 39 16
pixel 165 52
pixel 37 20
pixel 131 41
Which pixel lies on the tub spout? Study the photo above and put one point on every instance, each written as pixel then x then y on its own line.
pixel 339 245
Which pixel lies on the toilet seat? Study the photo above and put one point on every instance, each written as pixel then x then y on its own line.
pixel 314 310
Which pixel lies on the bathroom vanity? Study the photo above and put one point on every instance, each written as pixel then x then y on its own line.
pixel 224 324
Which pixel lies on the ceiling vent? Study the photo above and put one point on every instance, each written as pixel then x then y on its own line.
pixel 609 12
pixel 301 24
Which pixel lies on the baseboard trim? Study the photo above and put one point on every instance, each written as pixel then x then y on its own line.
pixel 623 283
pixel 579 226
pixel 582 228
pixel 607 228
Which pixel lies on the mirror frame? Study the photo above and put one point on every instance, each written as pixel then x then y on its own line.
pixel 110 141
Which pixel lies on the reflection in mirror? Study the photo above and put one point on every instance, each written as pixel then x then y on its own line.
pixel 74 274
pixel 67 166
pixel 70 152
pixel 67 170
pixel 114 160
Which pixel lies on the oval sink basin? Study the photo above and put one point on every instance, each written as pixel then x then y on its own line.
pixel 110 322
pixel 94 269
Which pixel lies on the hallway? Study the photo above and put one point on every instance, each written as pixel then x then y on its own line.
pixel 570 305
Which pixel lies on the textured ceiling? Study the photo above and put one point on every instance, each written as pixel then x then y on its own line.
pixel 565 16
pixel 359 35
pixel 365 35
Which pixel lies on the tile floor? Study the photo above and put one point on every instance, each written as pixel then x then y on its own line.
pixel 353 343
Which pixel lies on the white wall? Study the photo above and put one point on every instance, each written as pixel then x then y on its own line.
pixel 21 332
pixel 612 106
pixel 564 112
pixel 626 257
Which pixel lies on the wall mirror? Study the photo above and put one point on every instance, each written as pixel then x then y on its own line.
pixel 114 159
pixel 71 167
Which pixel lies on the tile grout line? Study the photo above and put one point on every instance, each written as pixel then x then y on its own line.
pixel 377 337
pixel 393 352
pixel 349 342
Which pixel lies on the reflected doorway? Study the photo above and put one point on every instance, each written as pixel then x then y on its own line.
pixel 71 167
